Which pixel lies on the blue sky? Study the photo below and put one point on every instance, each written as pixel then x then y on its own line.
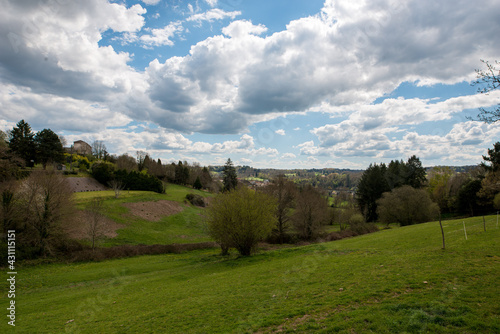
pixel 280 84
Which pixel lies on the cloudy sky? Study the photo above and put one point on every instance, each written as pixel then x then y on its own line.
pixel 281 83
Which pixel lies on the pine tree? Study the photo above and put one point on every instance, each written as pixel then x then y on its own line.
pixel 229 177
pixel 22 142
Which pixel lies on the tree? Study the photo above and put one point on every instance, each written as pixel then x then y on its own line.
pixel 9 164
pixel 284 193
pixel 48 147
pixel 197 183
pixel 3 139
pixel 141 157
pixel 468 199
pixel 311 213
pixel 99 150
pixel 488 80
pixel 439 186
pixel 22 142
pixel 117 186
pixel 372 185
pixel 181 173
pixel 415 173
pixel 240 218
pixel 46 200
pixel 126 162
pixel 229 177
pixel 493 158
pixel 95 224
pixel 406 206
pixel 205 178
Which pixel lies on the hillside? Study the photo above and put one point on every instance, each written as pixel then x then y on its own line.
pixel 397 280
pixel 144 217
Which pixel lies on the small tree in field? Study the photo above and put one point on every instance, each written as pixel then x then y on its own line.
pixel 240 218
pixel 117 186
pixel 95 225
pixel 406 206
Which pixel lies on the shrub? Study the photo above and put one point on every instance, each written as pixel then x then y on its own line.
pixel 406 206
pixel 196 200
pixel 241 218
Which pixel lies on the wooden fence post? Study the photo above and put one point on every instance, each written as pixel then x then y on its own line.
pixel 442 231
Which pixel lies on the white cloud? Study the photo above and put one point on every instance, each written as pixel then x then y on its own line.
pixel 242 28
pixel 213 15
pixel 55 63
pixel 211 3
pixel 288 156
pixel 151 2
pixel 281 132
pixel 163 36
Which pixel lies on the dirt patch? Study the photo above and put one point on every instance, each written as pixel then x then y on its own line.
pixel 81 184
pixel 76 229
pixel 154 211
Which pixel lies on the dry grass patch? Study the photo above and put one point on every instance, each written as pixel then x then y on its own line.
pixel 77 228
pixel 153 211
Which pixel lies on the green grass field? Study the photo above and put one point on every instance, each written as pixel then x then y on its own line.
pixel 184 227
pixel 393 281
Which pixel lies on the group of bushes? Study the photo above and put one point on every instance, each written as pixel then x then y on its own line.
pixel 105 172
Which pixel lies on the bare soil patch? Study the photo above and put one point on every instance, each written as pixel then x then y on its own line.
pixel 76 229
pixel 81 184
pixel 154 211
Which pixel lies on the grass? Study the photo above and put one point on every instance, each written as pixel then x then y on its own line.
pixel 393 281
pixel 184 227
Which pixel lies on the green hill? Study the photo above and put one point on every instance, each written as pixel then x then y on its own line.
pixel 145 217
pixel 392 281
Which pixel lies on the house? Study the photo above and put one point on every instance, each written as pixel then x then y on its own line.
pixel 81 147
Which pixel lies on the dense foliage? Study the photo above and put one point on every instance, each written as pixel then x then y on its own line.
pixel 240 218
pixel 378 179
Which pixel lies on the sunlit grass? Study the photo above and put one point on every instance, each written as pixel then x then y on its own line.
pixel 393 281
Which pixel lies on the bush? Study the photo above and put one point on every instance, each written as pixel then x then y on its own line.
pixel 241 218
pixel 406 206
pixel 103 172
pixel 196 200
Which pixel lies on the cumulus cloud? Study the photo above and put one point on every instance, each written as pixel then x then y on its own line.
pixel 54 50
pixel 213 15
pixel 281 132
pixel 55 62
pixel 163 36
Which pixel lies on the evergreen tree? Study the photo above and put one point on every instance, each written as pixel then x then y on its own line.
pixel 22 142
pixel 48 147
pixel 415 173
pixel 197 183
pixel 493 158
pixel 372 185
pixel 229 177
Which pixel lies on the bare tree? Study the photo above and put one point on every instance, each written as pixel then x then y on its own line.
pixel 96 224
pixel 284 193
pixel 488 80
pixel 141 157
pixel 99 150
pixel 311 213
pixel 117 186
pixel 126 162
pixel 47 202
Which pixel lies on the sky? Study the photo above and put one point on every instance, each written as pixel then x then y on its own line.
pixel 267 83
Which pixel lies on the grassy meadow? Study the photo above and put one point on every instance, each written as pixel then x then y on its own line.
pixel 394 281
pixel 184 227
